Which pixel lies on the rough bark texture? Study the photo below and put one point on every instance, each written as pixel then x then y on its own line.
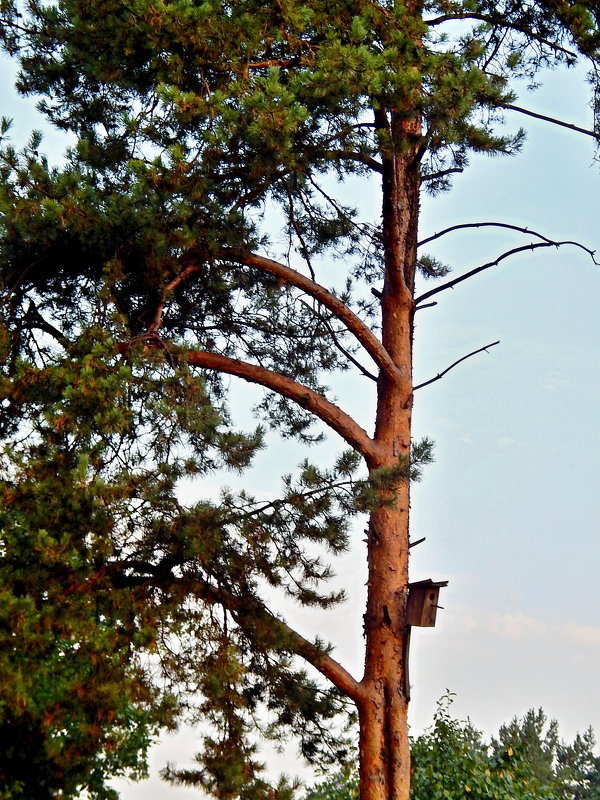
pixel 384 746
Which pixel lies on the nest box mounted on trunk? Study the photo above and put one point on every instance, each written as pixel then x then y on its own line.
pixel 423 602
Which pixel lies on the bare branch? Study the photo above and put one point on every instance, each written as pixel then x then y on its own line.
pixel 441 174
pixel 441 374
pixel 506 225
pixel 338 308
pixel 553 120
pixel 508 254
pixel 307 398
pixel 418 541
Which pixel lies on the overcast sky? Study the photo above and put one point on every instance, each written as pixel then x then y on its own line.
pixel 511 506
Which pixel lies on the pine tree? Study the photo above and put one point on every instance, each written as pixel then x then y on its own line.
pixel 194 122
pixel 572 769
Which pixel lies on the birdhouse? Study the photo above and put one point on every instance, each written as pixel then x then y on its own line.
pixel 423 602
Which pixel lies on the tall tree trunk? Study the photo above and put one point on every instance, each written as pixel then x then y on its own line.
pixel 384 746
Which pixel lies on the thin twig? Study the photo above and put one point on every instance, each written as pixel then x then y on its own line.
pixel 553 120
pixel 464 358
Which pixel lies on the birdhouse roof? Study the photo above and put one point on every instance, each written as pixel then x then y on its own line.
pixel 428 583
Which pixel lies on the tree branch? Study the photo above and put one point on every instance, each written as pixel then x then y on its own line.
pixel 273 62
pixel 307 398
pixel 339 345
pixel 514 251
pixel 247 608
pixel 501 23
pixel 460 360
pixel 339 309
pixel 441 174
pixel 316 656
pixel 351 155
pixel 462 225
pixel 36 320
pixel 553 120
pixel 156 323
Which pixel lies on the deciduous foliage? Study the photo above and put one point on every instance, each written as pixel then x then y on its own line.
pixel 197 126
pixel 451 759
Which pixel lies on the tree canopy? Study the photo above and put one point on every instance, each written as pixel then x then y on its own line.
pixel 143 269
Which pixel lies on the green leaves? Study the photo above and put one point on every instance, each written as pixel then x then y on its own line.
pixel 451 761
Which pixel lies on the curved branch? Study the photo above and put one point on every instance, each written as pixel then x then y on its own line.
pixel 460 360
pixel 307 398
pixel 514 251
pixel 501 23
pixel 462 225
pixel 338 308
pixel 553 120
pixel 339 345
pixel 315 655
pixel 243 609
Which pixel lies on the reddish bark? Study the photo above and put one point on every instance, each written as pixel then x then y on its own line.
pixel 384 745
pixel 382 696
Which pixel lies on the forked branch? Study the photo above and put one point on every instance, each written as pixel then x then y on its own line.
pixel 459 361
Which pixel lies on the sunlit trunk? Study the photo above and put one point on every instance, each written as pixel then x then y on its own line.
pixel 384 745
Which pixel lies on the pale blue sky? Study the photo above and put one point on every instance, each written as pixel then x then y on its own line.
pixel 511 507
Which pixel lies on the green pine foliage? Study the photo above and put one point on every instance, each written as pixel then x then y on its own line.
pixel 110 588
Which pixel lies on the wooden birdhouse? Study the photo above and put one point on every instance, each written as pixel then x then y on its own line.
pixel 423 602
